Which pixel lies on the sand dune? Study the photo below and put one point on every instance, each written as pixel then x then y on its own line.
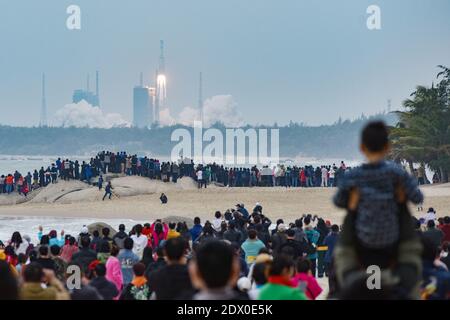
pixel 138 198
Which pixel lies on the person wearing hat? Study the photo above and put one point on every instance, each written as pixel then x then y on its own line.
pixel 258 208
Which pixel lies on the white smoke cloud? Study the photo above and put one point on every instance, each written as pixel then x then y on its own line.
pixel 220 108
pixel 165 118
pixel 83 114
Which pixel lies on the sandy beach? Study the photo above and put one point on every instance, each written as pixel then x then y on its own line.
pixel 138 198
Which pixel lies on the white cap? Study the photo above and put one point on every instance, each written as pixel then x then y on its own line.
pixel 244 284
pixel 84 230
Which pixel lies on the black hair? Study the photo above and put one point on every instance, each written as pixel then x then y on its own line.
pixel 447 220
pixel 215 263
pixel 335 228
pixel 252 234
pixel 100 270
pixel 105 231
pixel 55 250
pixel 33 272
pixel 279 264
pixel 16 238
pixel 95 233
pixel 121 227
pixel 43 250
pixel 196 220
pixel 72 241
pixel 85 241
pixel 45 240
pixel 307 220
pixel 138 229
pixel 375 136
pixel 114 250
pixel 303 265
pixel 172 225
pixel 139 269
pixel 290 233
pixel 259 273
pixel 128 243
pixel 175 248
pixel 217 214
pixel 431 224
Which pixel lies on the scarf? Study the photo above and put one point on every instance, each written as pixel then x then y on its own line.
pixel 139 281
pixel 280 280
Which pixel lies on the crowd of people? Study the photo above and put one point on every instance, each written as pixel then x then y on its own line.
pixel 380 251
pixel 235 255
pixel 104 162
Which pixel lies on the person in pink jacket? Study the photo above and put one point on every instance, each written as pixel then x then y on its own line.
pixel 114 270
pixel 305 280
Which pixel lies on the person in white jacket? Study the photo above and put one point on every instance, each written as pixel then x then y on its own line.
pixel 140 241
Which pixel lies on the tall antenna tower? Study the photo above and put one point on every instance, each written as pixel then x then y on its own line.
pixel 43 120
pixel 87 83
pixel 96 88
pixel 200 97
pixel 389 105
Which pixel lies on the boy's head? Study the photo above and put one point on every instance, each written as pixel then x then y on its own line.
pixel 375 140
pixel 215 266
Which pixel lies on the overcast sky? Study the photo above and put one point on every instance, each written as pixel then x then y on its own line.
pixel 307 61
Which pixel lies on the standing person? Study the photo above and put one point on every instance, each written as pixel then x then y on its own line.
pixel 323 230
pixel 85 255
pixel 214 272
pixel 324 173
pixel 34 276
pixel 172 280
pixel 435 235
pixel 312 237
pixel 19 244
pixel 100 183
pixel 108 190
pixel 305 280
pixel 127 260
pixel 140 241
pixel 196 230
pixel 200 178
pixel 114 270
pixel 69 249
pixel 120 237
pixel 330 242
pixel 252 246
pixel 106 288
pixel 138 288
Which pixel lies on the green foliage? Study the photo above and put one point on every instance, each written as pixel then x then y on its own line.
pixel 423 133
pixel 338 140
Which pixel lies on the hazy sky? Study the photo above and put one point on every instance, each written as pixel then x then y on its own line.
pixel 283 60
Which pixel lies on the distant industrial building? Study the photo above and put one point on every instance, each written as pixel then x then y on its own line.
pixel 87 95
pixel 143 105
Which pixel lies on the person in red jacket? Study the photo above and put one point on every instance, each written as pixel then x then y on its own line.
pixel 445 228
